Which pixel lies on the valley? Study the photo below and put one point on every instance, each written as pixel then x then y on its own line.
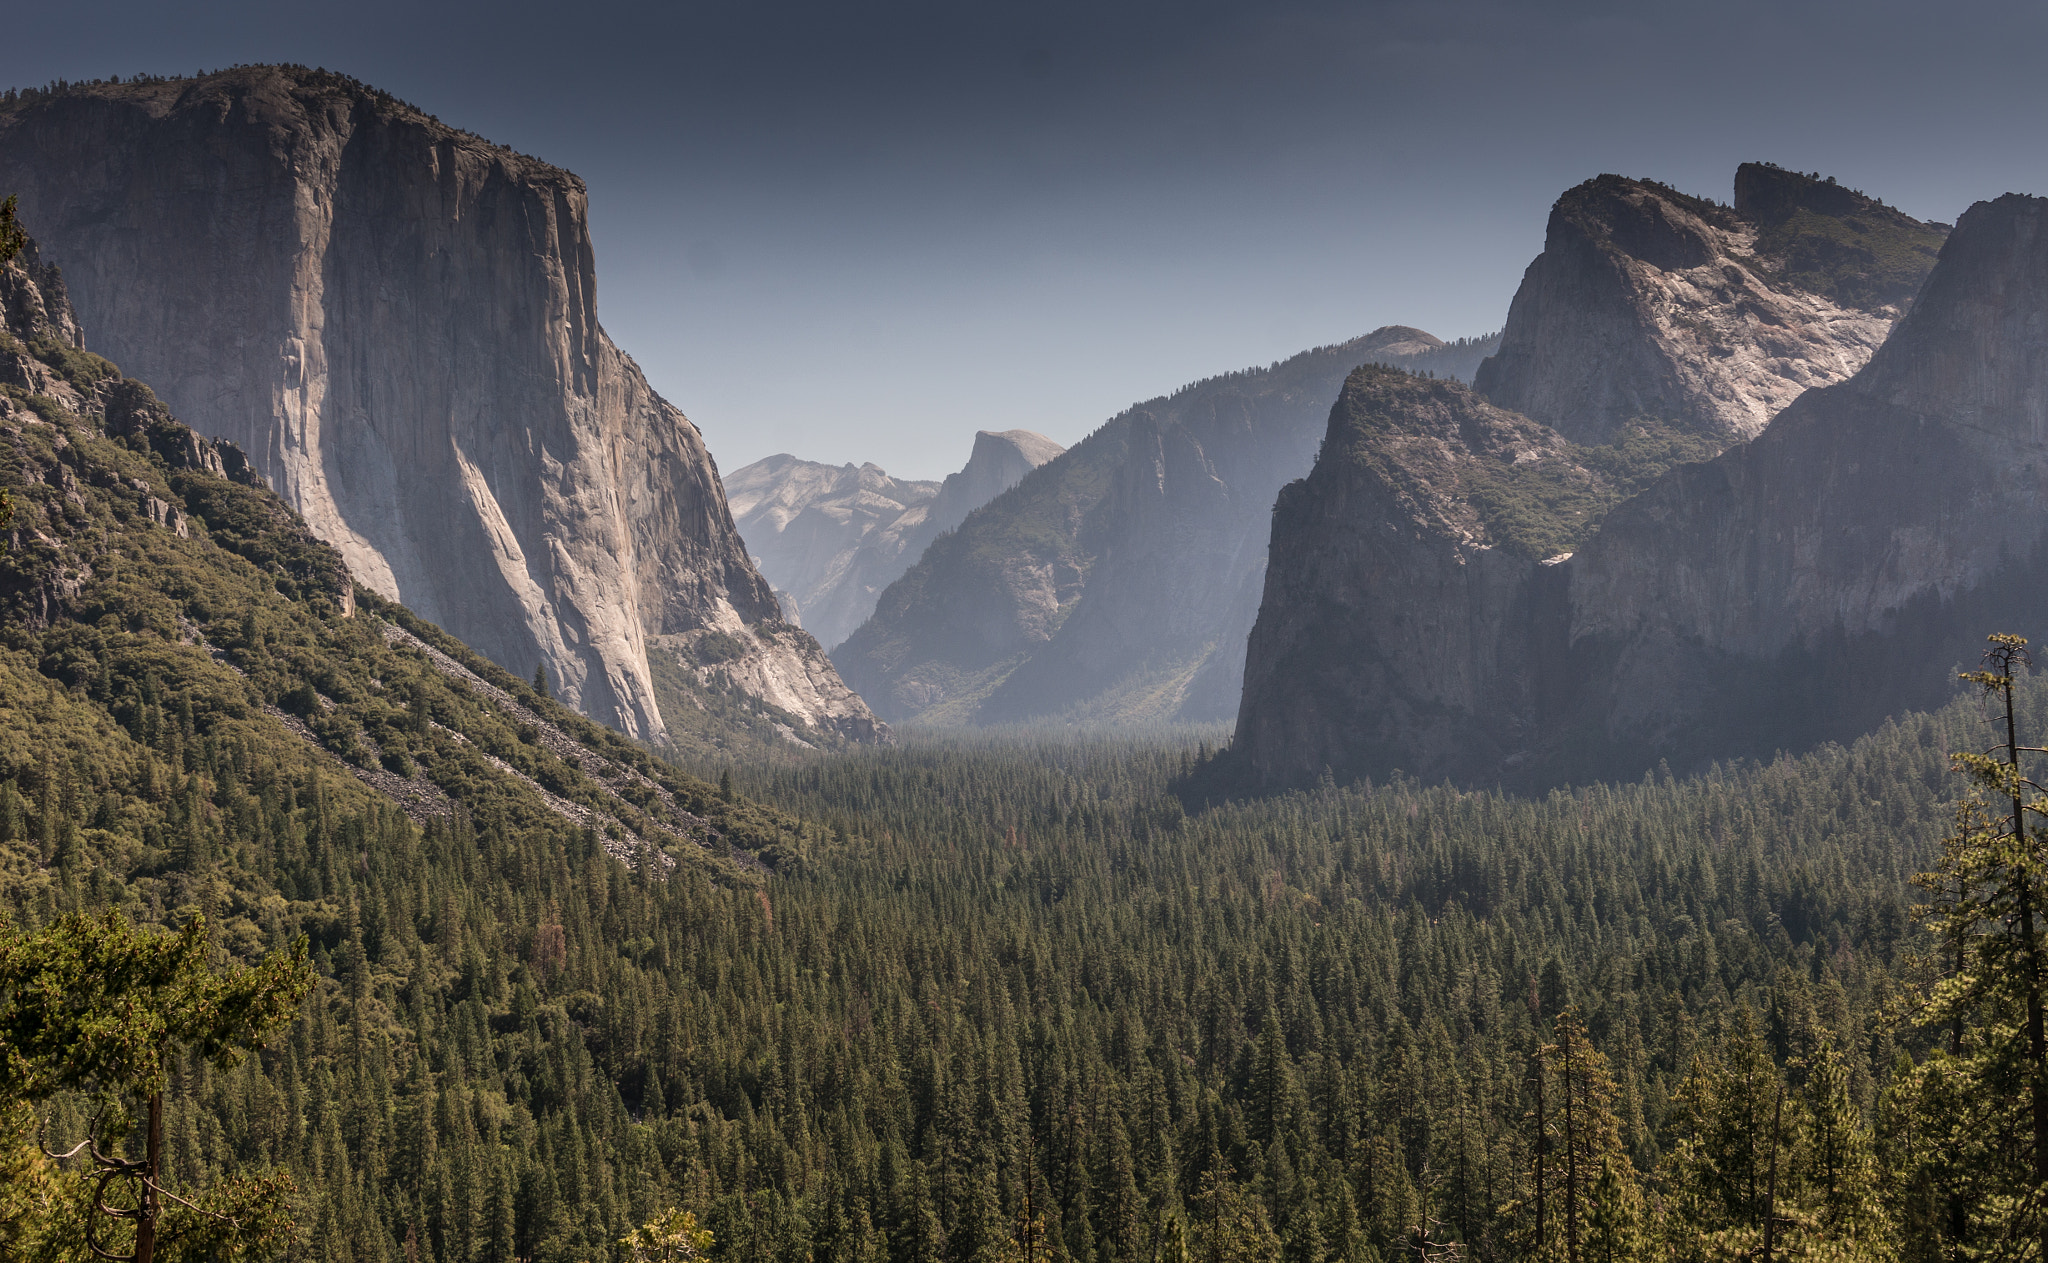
pixel 1506 798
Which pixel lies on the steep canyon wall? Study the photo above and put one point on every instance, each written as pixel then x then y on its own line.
pixel 398 321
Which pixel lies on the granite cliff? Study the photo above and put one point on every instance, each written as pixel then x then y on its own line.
pixel 832 538
pixel 1118 581
pixel 397 321
pixel 1403 568
pixel 1795 589
pixel 166 610
pixel 1650 305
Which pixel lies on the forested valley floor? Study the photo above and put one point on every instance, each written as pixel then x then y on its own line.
pixel 1008 998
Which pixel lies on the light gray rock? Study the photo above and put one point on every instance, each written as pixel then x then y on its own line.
pixel 999 462
pixel 1649 303
pixel 398 321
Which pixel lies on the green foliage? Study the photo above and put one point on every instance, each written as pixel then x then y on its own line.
pixel 1873 258
pixel 91 1004
pixel 13 237
pixel 79 367
pixel 1538 509
pixel 1979 1111
pixel 715 647
pixel 999 995
pixel 669 1238
pixel 1530 490
pixel 1644 450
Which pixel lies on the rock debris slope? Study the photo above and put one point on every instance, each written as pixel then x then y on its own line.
pixel 1650 304
pixel 397 320
pixel 1798 588
pixel 831 538
pixel 1117 582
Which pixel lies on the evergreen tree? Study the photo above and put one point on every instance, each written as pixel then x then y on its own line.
pixel 93 1004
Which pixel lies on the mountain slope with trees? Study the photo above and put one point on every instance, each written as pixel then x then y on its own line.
pixel 966 1000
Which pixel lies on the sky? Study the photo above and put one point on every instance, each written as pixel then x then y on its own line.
pixel 860 232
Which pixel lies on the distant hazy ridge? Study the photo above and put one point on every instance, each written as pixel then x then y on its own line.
pixel 831 538
pixel 1118 582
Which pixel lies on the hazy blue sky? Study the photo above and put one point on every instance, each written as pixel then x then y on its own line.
pixel 861 232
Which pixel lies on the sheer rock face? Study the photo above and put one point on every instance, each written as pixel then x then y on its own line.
pixel 1798 588
pixel 1394 598
pixel 1648 303
pixel 831 539
pixel 398 322
pixel 1118 581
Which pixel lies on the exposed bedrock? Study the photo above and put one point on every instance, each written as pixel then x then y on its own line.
pixel 398 321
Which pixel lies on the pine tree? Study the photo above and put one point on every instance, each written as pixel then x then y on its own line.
pixel 1614 1226
pixel 1585 1139
pixel 13 237
pixel 1987 888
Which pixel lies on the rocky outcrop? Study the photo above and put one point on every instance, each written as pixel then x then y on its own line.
pixel 397 320
pixel 55 392
pixel 1650 304
pixel 1796 589
pixel 1404 568
pixel 832 538
pixel 999 461
pixel 1118 581
pixel 1804 586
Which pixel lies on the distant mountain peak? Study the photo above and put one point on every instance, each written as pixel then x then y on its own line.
pixel 1401 341
pixel 832 538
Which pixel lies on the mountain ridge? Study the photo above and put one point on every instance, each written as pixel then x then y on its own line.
pixel 1116 582
pixel 831 539
pixel 1789 591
